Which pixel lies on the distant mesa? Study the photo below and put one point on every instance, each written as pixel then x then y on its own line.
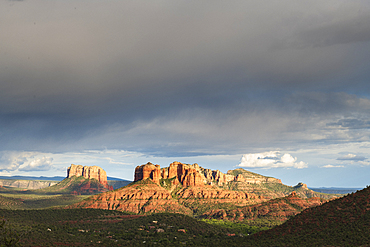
pixel 194 175
pixel 89 172
pixel 81 180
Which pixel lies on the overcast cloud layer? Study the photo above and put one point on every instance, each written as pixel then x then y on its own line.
pixel 187 80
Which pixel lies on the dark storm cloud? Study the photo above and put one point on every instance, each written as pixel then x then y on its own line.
pixel 352 123
pixel 183 77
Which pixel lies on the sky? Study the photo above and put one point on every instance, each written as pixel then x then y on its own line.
pixel 280 88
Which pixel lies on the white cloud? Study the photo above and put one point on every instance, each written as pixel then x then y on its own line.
pixel 272 159
pixel 332 166
pixel 11 161
pixel 364 163
pixel 38 164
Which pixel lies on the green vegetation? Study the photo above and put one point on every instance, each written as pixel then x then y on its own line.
pixel 239 228
pixel 92 227
pixel 7 236
pixel 166 183
pixel 35 201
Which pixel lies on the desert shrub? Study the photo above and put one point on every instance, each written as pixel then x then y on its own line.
pixel 8 237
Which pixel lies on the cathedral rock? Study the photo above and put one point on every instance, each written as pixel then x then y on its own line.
pixel 194 175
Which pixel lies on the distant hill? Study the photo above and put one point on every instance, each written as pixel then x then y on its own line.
pixel 55 178
pixel 33 183
pixel 116 184
pixel 335 190
pixel 26 184
pixel 341 222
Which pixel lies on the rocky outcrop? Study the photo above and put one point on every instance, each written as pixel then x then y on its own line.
pixel 301 185
pixel 248 177
pixel 89 172
pixel 148 171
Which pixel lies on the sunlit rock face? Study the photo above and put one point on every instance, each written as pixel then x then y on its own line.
pixel 88 172
pixel 178 172
pixel 148 171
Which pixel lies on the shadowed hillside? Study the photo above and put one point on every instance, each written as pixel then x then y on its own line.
pixel 341 222
pixel 74 185
pixel 271 212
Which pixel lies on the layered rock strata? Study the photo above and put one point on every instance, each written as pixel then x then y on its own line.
pixel 210 195
pixel 142 197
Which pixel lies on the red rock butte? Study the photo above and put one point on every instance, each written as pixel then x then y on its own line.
pixel 88 172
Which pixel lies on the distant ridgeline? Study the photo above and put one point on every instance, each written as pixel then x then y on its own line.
pixel 34 183
pixel 334 190
pixel 26 184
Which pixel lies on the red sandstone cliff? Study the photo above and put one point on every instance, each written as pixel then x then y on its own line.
pixel 180 173
pixel 148 171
